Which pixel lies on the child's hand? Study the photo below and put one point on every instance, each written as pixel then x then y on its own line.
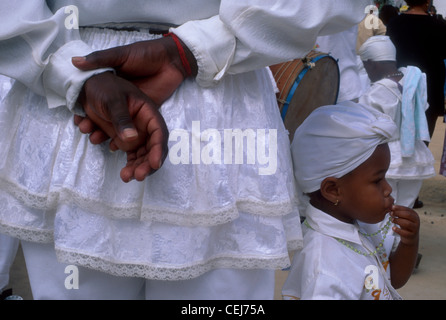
pixel 407 224
pixel 403 259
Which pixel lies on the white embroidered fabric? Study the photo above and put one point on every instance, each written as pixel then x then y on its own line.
pixel 182 221
pixel 5 86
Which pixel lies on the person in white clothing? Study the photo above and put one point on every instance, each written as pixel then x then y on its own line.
pixel 175 86
pixel 351 222
pixel 401 94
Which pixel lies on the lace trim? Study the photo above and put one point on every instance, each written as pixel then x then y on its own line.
pixel 27 234
pixel 32 200
pixel 294 245
pixel 211 217
pixel 170 273
pixel 47 236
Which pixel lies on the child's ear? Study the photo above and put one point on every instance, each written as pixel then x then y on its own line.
pixel 330 189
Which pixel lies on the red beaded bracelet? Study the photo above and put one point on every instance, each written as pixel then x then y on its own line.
pixel 183 57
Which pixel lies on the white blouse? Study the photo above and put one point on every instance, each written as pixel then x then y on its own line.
pixel 37 40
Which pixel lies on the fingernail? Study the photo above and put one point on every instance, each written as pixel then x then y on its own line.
pixel 129 133
pixel 78 59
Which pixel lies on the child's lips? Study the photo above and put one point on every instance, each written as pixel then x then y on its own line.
pixel 391 203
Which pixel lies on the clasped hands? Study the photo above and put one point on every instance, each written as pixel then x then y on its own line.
pixel 123 106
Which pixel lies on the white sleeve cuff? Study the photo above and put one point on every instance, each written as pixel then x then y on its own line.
pixel 212 44
pixel 62 81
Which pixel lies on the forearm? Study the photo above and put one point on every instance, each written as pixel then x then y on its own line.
pixel 402 263
pixel 36 49
pixel 247 35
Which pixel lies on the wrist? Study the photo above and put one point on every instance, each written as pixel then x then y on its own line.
pixel 94 78
pixel 186 61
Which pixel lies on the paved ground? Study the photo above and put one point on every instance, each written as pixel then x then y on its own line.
pixel 427 283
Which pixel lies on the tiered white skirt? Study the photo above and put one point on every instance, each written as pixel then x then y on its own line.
pixel 187 218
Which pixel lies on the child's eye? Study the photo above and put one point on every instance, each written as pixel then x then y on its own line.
pixel 379 180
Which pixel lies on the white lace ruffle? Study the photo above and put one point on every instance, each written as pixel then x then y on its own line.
pixel 173 273
pixel 157 250
pixel 418 166
pixel 27 234
pixel 220 215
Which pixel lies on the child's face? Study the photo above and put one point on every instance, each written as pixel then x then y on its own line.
pixel 365 193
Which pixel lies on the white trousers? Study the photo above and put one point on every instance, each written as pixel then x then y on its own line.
pixel 8 251
pixel 52 280
pixel 405 192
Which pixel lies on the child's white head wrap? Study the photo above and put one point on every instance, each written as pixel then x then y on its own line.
pixel 334 140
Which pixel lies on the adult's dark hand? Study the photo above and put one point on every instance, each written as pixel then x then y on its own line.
pixel 155 67
pixel 131 119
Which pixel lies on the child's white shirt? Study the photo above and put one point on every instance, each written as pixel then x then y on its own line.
pixel 328 267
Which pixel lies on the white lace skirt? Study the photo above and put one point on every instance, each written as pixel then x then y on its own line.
pixel 207 207
pixel 419 166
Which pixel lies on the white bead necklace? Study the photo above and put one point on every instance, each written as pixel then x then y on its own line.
pixel 384 230
pixel 393 75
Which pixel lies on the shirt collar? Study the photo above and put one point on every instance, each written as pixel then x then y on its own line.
pixel 332 227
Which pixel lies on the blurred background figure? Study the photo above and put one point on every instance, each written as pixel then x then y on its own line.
pixel 401 94
pixel 387 13
pixel 371 25
pixel 419 41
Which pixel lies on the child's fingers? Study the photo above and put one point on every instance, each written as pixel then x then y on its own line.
pixel 405 224
pixel 406 235
pixel 400 212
